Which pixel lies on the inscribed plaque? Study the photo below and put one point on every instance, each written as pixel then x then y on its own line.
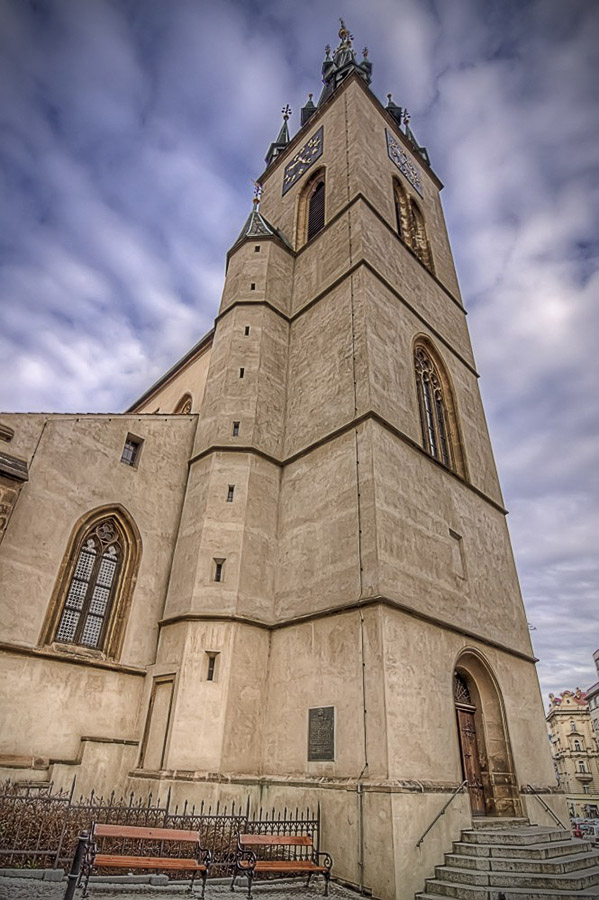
pixel 321 734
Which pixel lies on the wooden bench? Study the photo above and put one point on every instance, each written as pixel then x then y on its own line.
pixel 290 854
pixel 197 864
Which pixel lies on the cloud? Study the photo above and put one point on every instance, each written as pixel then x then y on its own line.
pixel 131 132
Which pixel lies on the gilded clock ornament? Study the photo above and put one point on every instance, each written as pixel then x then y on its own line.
pixel 303 159
pixel 401 159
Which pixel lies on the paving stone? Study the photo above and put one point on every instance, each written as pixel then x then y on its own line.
pixel 29 889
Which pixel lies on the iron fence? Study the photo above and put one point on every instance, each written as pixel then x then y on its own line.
pixel 40 828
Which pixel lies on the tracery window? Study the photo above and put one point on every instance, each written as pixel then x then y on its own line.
pixel 183 407
pixel 420 244
pixel 410 224
pixel 93 592
pixel 437 412
pixel 461 691
pixel 402 212
pixel 87 604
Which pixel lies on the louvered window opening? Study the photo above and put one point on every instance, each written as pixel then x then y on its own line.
pixel 433 413
pixel 92 588
pixel 316 211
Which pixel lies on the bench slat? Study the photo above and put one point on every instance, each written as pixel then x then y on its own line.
pixel 146 862
pixel 264 840
pixel 283 865
pixel 137 832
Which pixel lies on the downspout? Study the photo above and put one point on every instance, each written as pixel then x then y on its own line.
pixel 359 791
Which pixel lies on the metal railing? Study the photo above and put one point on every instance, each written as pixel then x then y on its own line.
pixel 547 808
pixel 40 828
pixel 442 812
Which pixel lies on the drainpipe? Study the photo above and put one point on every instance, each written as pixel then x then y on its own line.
pixel 359 790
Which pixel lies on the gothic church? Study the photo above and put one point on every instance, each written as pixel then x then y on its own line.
pixel 285 571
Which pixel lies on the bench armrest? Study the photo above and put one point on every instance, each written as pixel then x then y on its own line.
pixel 248 855
pixel 327 859
pixel 205 856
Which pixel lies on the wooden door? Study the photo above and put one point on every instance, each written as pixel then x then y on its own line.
pixel 470 760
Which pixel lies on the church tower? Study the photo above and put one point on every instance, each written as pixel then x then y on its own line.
pixel 343 611
pixel 285 572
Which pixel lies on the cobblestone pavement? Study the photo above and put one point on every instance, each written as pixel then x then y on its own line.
pixel 34 889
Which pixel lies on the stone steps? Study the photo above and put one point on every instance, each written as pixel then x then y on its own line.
pixel 559 865
pixel 519 862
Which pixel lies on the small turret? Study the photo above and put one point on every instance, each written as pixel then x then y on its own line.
pixel 282 138
pixel 394 110
pixel 308 110
pixel 344 61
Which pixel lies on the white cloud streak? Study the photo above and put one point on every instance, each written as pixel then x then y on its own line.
pixel 130 133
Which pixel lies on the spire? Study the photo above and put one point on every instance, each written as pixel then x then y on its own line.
pixel 342 63
pixel 282 137
pixel 256 225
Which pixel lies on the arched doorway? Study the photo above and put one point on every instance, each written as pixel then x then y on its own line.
pixel 486 756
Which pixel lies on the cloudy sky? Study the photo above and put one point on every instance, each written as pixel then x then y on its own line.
pixel 130 130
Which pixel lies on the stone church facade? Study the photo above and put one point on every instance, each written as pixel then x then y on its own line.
pixel 285 571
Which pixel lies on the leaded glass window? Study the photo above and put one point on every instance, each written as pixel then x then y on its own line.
pixel 92 588
pixel 433 408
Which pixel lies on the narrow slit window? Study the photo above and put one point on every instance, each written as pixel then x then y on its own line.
pixel 219 565
pixel 247 330
pixel 211 670
pixel 235 429
pixel 242 372
pixel 257 248
pixel 253 286
pixel 230 493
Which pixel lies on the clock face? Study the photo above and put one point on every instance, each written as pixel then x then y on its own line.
pixel 302 160
pixel 403 162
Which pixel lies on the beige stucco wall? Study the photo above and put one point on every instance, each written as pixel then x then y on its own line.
pixel 75 467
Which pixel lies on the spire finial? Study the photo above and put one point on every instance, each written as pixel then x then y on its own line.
pixel 286 111
pixel 406 118
pixel 344 35
pixel 257 193
pixel 365 52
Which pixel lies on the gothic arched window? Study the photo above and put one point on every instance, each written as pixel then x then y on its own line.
pixel 311 209
pixel 437 411
pixel 402 212
pixel 420 244
pixel 183 407
pixel 410 224
pixel 94 589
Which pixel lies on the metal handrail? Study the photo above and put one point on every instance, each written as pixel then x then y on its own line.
pixel 532 791
pixel 439 814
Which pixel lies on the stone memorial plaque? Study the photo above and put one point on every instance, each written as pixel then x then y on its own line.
pixel 321 734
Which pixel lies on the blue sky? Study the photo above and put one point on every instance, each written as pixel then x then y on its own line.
pixel 131 130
